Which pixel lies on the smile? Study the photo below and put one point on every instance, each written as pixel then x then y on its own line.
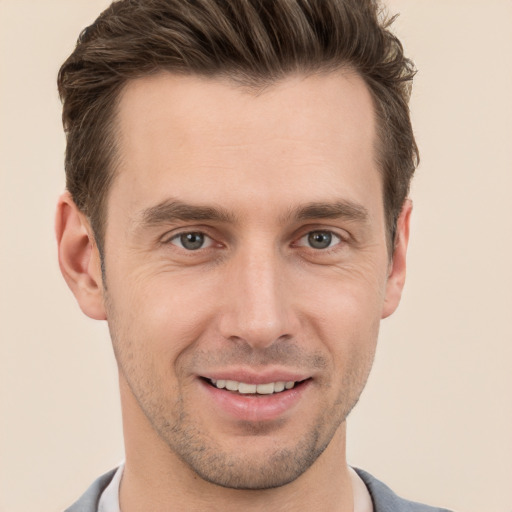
pixel 260 399
pixel 243 388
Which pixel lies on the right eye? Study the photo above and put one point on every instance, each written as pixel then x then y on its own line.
pixel 320 240
pixel 191 241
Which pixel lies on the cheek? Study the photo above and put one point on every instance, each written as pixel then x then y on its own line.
pixel 161 314
pixel 345 316
pixel 351 298
pixel 350 336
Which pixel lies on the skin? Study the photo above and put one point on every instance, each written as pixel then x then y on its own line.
pixel 260 172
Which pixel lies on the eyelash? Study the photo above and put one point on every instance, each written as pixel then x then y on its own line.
pixel 178 237
pixel 334 237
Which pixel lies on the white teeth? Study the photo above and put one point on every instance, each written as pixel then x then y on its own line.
pixel 265 389
pixel 246 389
pixel 279 386
pixel 251 389
pixel 232 385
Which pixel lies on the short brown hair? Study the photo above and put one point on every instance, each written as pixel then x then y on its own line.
pixel 253 42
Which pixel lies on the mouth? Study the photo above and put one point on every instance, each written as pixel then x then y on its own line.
pixel 264 400
pixel 244 388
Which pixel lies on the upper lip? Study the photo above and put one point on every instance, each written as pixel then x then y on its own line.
pixel 256 377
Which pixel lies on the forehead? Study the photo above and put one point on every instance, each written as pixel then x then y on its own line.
pixel 201 138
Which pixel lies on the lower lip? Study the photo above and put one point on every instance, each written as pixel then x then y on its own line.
pixel 256 408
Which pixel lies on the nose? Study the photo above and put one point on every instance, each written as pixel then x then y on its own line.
pixel 257 303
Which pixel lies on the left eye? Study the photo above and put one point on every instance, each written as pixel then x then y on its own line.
pixel 192 241
pixel 320 240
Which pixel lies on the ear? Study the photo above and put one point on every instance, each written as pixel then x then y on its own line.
pixel 396 277
pixel 79 258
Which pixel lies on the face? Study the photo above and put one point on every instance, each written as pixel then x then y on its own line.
pixel 246 270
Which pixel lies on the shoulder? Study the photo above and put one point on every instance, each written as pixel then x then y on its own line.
pixel 385 500
pixel 89 500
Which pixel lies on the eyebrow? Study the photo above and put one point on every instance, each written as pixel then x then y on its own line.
pixel 172 210
pixel 343 209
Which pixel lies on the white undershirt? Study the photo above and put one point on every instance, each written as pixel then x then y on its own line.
pixel 362 499
pixel 109 501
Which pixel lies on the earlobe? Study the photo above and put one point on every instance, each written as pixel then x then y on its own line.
pixel 396 278
pixel 79 258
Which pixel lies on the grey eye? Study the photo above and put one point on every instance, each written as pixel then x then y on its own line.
pixel 190 241
pixel 320 239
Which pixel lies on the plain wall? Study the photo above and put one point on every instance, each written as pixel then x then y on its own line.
pixel 435 422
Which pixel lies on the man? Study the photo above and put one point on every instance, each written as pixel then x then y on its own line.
pixel 236 209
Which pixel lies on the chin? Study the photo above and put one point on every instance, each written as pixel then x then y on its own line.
pixel 253 468
pixel 242 474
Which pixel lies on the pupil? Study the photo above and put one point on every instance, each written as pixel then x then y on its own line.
pixel 320 240
pixel 192 241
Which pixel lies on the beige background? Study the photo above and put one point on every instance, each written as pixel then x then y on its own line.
pixel 435 421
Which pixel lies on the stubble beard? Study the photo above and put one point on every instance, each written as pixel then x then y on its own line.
pixel 190 441
pixel 274 467
pixel 268 469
